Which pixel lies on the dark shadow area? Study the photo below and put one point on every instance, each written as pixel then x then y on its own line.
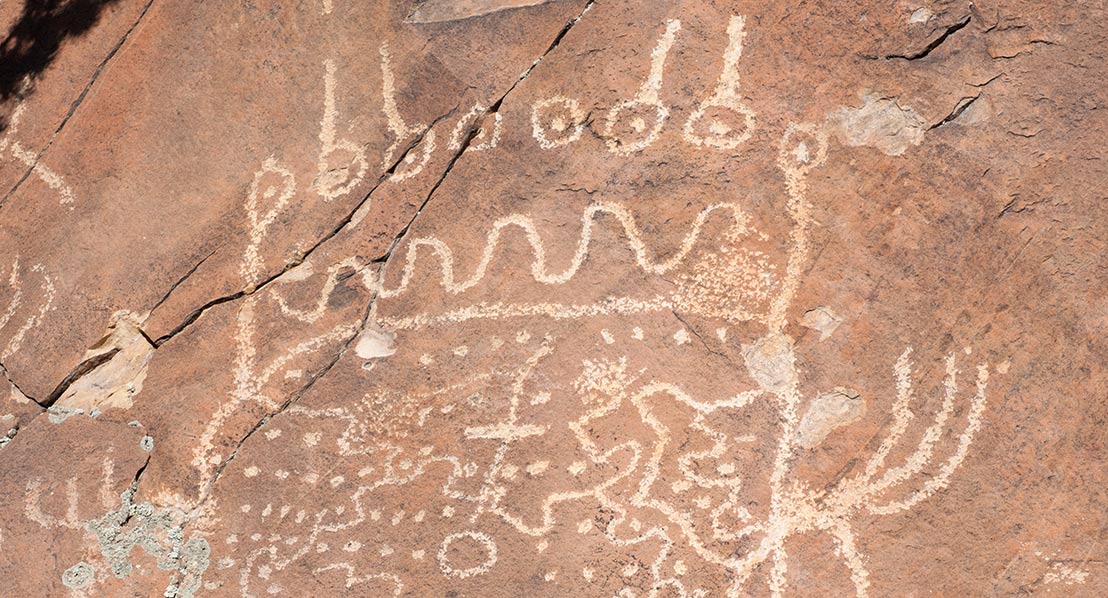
pixel 33 41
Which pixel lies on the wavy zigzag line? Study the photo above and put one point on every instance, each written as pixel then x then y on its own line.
pixel 540 269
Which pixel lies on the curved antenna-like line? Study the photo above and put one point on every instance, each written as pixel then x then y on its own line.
pixel 35 319
pixel 902 415
pixel 941 481
pixel 796 172
pixel 923 453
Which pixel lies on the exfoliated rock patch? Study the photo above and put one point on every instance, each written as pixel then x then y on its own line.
pixel 562 298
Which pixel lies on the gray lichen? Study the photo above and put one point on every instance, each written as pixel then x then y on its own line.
pixel 159 532
pixel 6 438
pixel 78 576
pixel 59 413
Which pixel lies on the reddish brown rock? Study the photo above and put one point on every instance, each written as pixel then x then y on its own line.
pixel 559 298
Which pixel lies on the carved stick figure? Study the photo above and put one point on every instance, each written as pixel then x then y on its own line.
pixel 644 114
pixel 411 165
pixel 719 130
pixel 335 181
pixel 31 160
pixel 794 507
pixel 15 281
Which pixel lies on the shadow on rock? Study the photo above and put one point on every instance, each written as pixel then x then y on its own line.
pixel 33 41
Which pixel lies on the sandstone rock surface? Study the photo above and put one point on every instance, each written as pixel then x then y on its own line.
pixel 553 298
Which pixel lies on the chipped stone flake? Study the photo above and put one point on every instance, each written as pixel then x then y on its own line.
pixel 827 412
pixel 881 123
pixel 375 343
pixel 821 319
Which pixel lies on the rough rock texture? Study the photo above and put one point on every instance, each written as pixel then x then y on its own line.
pixel 563 298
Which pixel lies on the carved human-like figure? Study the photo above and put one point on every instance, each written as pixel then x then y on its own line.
pixel 722 121
pixel 632 125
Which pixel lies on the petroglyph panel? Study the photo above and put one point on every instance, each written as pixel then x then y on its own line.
pixel 564 299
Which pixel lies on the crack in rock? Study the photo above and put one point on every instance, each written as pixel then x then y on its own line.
pixel 935 43
pixel 76 103
pixel 121 358
pixel 351 219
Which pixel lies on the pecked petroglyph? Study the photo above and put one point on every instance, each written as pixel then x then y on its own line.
pixel 724 279
pixel 644 114
pixel 275 186
pixel 11 148
pixel 715 131
pixel 483 139
pixel 632 393
pixel 542 272
pixel 26 287
pixel 697 517
pixel 402 132
pixel 557 121
pixel 333 180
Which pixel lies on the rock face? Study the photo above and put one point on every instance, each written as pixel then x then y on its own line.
pixel 512 297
